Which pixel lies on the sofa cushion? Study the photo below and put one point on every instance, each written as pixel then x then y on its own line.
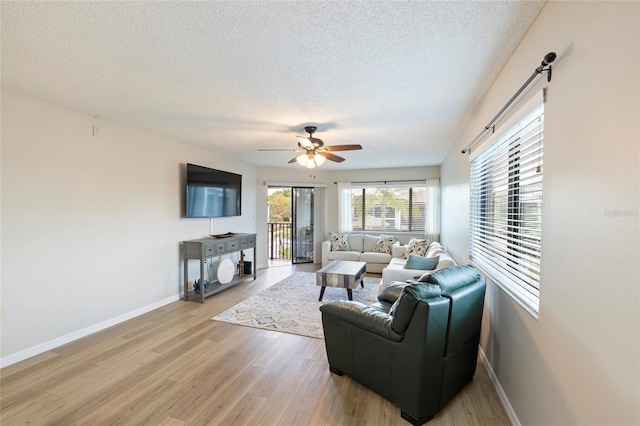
pixel 434 250
pixel 370 257
pixel 445 261
pixel 398 251
pixel 355 242
pixel 420 262
pixel 384 244
pixel 344 255
pixel 339 242
pixel 417 247
pixel 369 243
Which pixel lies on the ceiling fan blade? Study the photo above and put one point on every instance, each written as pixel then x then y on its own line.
pixel 343 147
pixel 332 157
pixel 304 143
pixel 294 159
pixel 276 149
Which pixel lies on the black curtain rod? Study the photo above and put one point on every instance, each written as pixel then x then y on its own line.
pixel 388 181
pixel 548 59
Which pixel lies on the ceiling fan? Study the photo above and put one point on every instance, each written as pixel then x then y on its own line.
pixel 314 152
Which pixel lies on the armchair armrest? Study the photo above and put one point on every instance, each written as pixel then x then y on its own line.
pixel 363 317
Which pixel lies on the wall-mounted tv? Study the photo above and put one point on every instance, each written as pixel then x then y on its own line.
pixel 212 193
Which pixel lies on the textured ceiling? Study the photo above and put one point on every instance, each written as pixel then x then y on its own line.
pixel 399 78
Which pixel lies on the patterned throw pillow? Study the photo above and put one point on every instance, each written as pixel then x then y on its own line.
pixel 339 242
pixel 384 244
pixel 417 247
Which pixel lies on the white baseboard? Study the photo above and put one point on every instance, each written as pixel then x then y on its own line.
pixel 47 346
pixel 513 418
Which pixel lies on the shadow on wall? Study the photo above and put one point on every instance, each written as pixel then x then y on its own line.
pixel 512 344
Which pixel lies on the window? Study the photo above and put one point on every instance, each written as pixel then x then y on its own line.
pixel 395 208
pixel 506 209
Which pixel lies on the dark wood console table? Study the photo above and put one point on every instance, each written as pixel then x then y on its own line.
pixel 205 248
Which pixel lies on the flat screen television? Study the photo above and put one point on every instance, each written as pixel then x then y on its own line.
pixel 212 193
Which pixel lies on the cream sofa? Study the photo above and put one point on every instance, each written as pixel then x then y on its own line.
pixel 395 270
pixel 360 250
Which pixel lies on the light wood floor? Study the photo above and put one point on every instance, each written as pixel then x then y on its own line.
pixel 174 366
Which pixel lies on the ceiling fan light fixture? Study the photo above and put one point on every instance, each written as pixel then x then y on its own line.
pixel 319 159
pixel 302 159
pixel 310 161
pixel 314 152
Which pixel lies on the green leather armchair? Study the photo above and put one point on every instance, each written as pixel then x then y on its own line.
pixel 417 347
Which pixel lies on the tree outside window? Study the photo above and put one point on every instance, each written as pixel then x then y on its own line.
pixel 397 209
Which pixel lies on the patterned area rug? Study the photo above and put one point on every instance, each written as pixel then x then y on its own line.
pixel 292 306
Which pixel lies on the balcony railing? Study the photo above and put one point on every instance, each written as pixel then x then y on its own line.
pixel 280 240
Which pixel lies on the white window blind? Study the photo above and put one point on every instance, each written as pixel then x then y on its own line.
pixel 393 207
pixel 506 209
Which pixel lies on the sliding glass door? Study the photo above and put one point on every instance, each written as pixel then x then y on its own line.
pixel 302 221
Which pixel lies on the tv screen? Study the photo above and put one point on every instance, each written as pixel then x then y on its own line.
pixel 212 193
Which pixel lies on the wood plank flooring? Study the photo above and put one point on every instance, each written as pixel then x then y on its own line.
pixel 175 367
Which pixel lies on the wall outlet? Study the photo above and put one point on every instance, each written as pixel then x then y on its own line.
pixel 96 131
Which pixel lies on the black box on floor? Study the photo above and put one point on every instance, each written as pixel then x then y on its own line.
pixel 247 268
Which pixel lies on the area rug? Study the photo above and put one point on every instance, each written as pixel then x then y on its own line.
pixel 292 306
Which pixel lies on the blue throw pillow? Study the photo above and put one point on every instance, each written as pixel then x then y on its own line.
pixel 419 262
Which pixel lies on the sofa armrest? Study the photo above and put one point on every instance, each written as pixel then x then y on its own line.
pixel 397 273
pixel 326 248
pixel 363 317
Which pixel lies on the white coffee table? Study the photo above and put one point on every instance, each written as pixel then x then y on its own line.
pixel 341 273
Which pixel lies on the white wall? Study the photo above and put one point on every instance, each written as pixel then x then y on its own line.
pixel 91 227
pixel 579 363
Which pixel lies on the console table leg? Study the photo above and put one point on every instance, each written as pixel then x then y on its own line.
pixel 202 261
pixel 186 279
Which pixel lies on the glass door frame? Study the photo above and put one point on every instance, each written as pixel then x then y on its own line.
pixel 302 219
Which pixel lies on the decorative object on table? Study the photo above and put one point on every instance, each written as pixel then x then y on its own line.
pixel 226 271
pixel 196 285
pixel 291 305
pixel 227 235
pixel 240 267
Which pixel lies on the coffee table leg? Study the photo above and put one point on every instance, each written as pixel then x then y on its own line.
pixel 350 293
pixel 322 289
